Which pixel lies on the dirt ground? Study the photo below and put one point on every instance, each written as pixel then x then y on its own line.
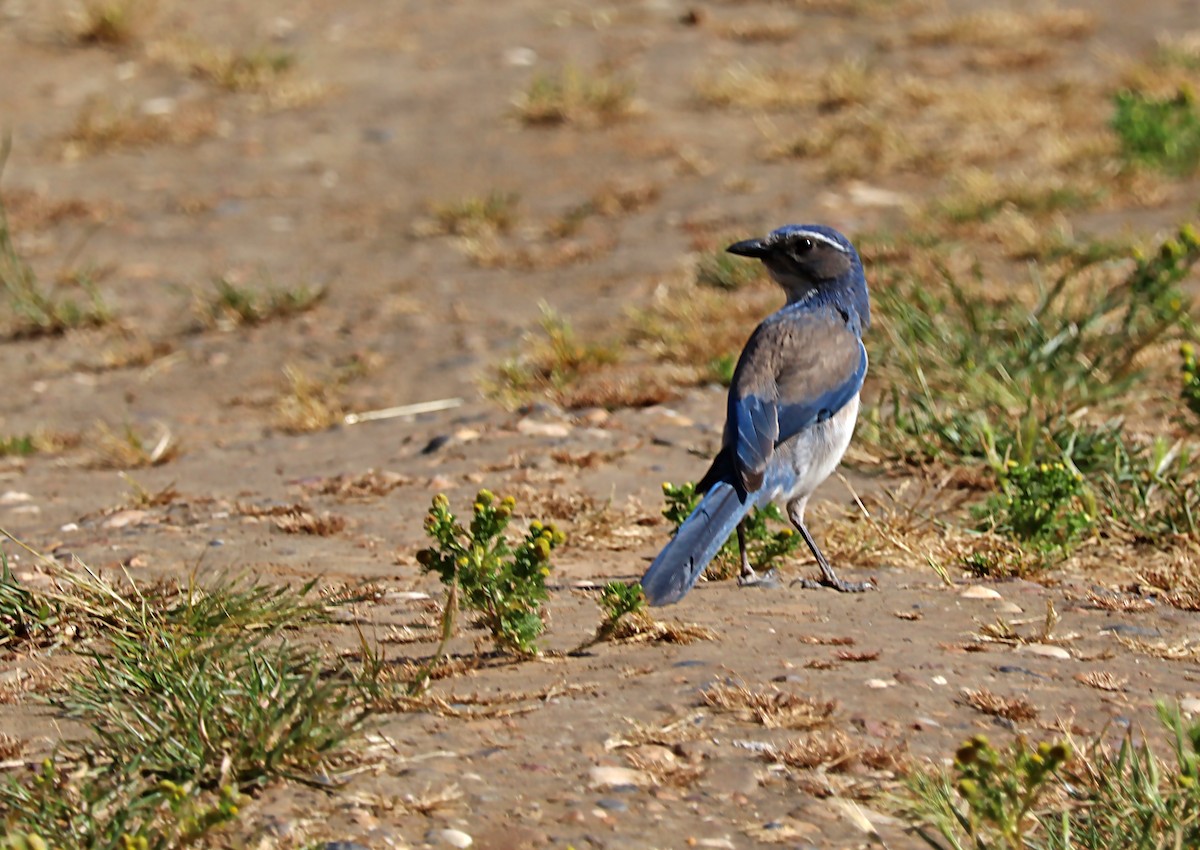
pixel 327 181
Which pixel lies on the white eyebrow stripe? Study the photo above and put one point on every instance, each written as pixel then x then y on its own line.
pixel 819 237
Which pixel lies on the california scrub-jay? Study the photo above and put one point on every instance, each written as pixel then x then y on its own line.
pixel 791 408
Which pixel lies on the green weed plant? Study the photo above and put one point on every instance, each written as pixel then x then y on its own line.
pixel 503 584
pixel 1050 797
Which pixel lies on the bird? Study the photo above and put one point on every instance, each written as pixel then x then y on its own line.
pixel 790 412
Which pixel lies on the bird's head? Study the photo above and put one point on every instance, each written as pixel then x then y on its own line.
pixel 812 263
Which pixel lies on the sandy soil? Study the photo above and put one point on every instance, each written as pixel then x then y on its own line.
pixel 327 182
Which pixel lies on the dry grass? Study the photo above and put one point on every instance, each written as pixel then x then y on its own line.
pixel 113 23
pixel 665 768
pixel 129 447
pixel 678 731
pixel 478 216
pixel 1119 602
pixel 308 404
pixel 322 524
pixel 612 200
pixel 994 28
pixel 758 29
pixel 846 83
pixel 1102 681
pixel 10 747
pixel 104 126
pixel 1183 649
pixel 359 487
pixel 1018 709
pixel 574 96
pixel 774 709
pixel 832 752
pixel 955 124
pixel 641 628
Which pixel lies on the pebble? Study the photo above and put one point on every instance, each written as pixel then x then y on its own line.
pixel 720 843
pixel 1046 650
pixel 520 57
pixel 436 443
pixel 1013 668
pixel 158 106
pixel 453 837
pixel 14 497
pixel 604 776
pixel 343 845
pixel 1189 705
pixel 611 805
pixel 543 429
pixel 123 519
pixel 939 680
pixel 865 195
pixel 879 684
pixel 1009 608
pixel 978 591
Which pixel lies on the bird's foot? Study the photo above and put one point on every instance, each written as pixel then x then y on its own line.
pixel 840 585
pixel 749 578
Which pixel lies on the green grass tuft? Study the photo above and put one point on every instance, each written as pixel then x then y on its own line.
pixel 1162 133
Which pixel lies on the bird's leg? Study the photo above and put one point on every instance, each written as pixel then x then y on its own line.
pixel 747 577
pixel 795 512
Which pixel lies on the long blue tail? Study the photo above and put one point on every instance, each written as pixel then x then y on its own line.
pixel 680 563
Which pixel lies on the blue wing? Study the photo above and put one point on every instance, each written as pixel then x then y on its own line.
pixel 798 369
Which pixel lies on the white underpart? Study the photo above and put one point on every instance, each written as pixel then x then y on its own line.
pixel 814 454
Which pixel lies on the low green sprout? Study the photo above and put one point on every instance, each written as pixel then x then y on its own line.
pixel 502 583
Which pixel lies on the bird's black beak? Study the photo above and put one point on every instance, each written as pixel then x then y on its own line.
pixel 749 248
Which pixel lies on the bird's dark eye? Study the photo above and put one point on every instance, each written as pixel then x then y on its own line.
pixel 803 246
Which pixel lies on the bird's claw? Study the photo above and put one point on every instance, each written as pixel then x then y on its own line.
pixel 840 585
pixel 769 579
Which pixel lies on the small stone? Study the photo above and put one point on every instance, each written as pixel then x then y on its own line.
pixel 124 519
pixel 543 429
pixel 158 106
pixel 878 684
pixel 865 195
pixel 939 680
pixel 1009 608
pixel 14 497
pixel 978 591
pixel 611 805
pixel 520 57
pixel 453 837
pixel 1046 650
pixel 605 776
pixel 593 416
pixel 720 843
pixel 343 845
pixel 1189 705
